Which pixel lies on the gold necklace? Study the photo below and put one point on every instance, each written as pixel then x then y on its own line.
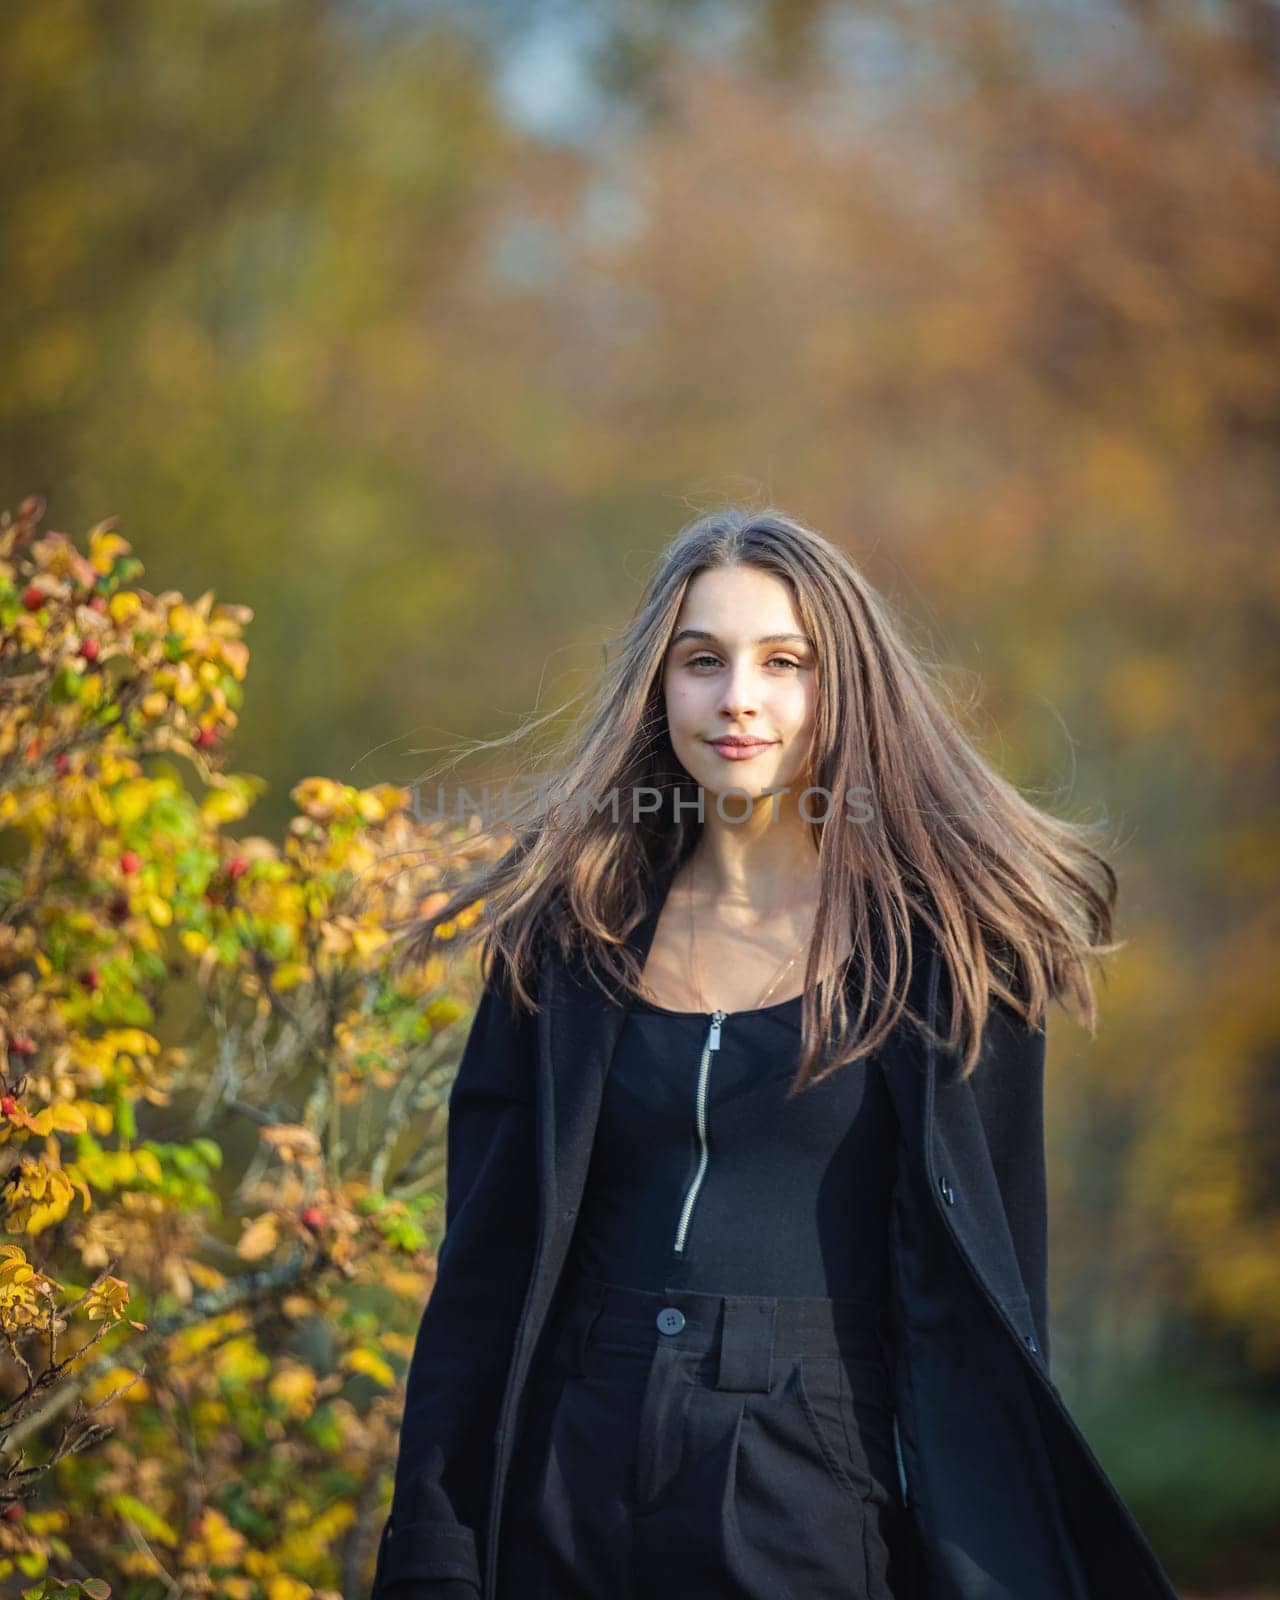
pixel 693 965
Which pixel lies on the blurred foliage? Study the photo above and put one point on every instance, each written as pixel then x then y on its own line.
pixel 239 1441
pixel 1200 1464
pixel 424 325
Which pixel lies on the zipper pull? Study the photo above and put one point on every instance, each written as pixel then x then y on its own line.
pixel 713 1038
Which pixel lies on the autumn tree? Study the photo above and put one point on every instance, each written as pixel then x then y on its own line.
pixel 220 1245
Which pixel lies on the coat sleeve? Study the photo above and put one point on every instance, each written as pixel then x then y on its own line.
pixel 1008 1085
pixel 466 1335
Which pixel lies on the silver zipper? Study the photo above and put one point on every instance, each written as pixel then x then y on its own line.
pixel 704 1072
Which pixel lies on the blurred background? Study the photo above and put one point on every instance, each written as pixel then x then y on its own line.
pixel 421 327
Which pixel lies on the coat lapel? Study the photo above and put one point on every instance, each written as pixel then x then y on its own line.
pixel 580 1028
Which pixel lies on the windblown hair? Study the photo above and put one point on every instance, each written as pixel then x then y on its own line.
pixel 1019 902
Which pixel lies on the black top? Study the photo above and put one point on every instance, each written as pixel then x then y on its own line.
pixel 788 1198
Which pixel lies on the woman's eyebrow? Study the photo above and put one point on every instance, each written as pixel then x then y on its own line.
pixel 766 638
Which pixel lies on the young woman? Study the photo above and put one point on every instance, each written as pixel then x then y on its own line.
pixel 743 1289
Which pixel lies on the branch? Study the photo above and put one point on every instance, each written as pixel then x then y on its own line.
pixel 203 1308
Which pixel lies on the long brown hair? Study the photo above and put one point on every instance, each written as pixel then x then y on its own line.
pixel 1019 901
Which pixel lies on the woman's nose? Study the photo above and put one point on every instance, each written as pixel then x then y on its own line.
pixel 739 697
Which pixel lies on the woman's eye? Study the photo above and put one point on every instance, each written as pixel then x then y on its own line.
pixel 786 661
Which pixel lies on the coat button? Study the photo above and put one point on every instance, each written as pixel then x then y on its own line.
pixel 1029 1339
pixel 670 1319
pixel 948 1193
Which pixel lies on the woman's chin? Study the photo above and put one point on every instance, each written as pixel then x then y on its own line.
pixel 733 781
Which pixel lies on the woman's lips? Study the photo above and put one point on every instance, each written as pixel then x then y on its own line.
pixel 741 752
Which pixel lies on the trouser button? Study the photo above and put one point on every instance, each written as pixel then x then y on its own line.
pixel 670 1319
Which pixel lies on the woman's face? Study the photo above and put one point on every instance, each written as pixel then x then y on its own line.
pixel 739 667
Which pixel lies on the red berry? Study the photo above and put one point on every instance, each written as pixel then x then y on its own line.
pixel 33 598
pixel 90 649
pixel 14 1511
pixel 90 979
pixel 61 762
pixel 312 1217
pixel 206 738
pixel 130 861
pixel 22 1044
pixel 237 867
pixel 8 1105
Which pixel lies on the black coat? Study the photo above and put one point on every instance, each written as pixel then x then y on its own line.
pixel 1007 1500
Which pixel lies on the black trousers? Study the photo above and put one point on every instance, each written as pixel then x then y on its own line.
pixel 715 1447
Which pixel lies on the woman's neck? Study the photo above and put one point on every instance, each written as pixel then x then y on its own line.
pixel 753 874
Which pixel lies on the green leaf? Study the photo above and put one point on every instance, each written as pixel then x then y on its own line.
pixel 126 1121
pixel 209 1152
pixel 130 1008
pixel 65 687
pixel 151 1522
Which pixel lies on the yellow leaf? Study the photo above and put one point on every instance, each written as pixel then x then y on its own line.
pixel 371 1364
pixel 241 1361
pixel 149 1166
pixel 223 805
pixel 440 1013
pixel 294 1388
pixel 132 1041
pixel 282 1587
pixel 318 797
pixel 159 910
pixel 260 1238
pixel 289 974
pixel 133 800
pixel 218 1544
pixel 367 940
pixel 111 1380
pixel 105 548
pixel 371 806
pixel 100 1116
pixel 183 620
